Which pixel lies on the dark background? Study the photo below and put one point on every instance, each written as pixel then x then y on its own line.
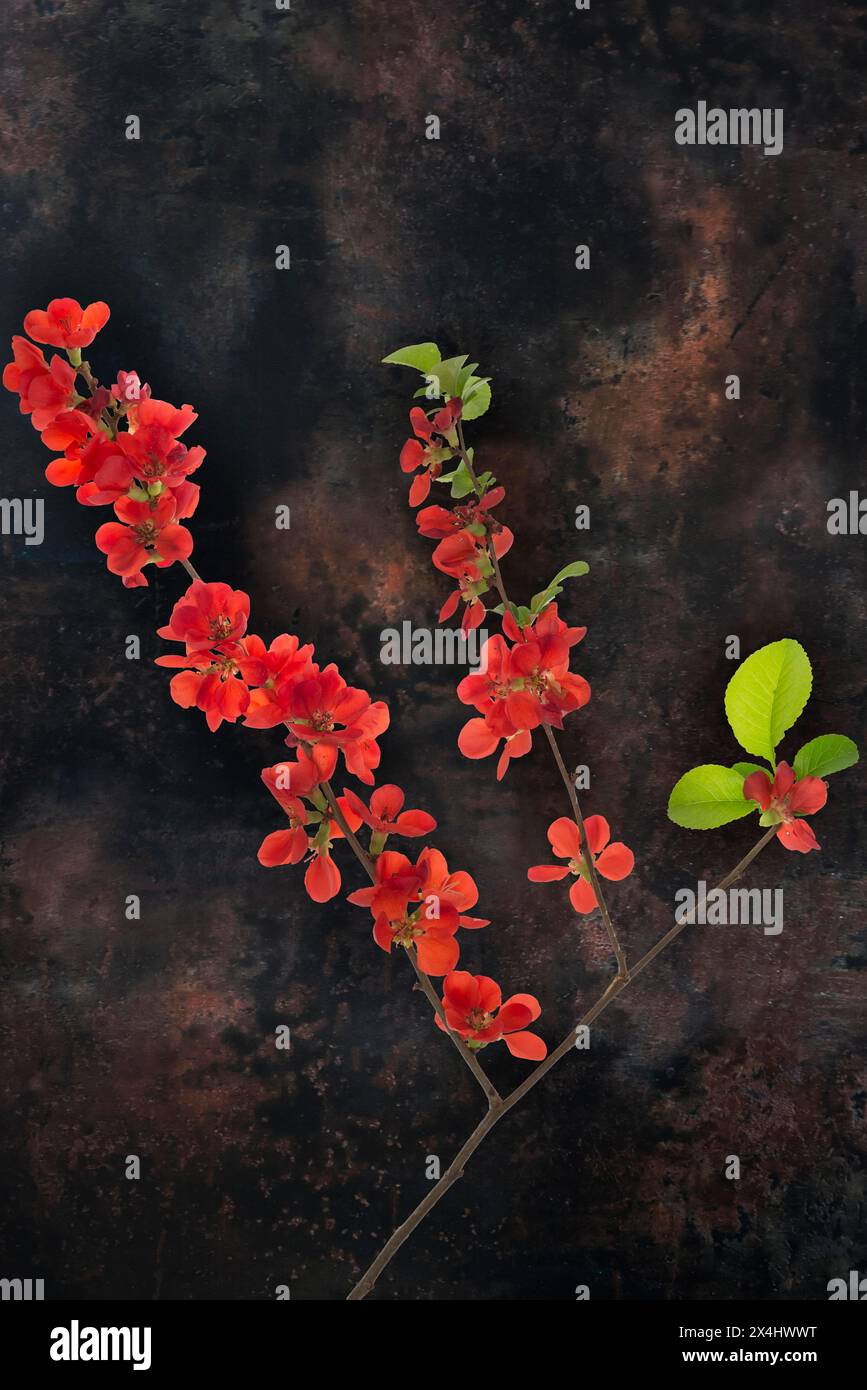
pixel 708 519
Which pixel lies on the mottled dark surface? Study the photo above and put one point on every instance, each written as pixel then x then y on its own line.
pixel 708 519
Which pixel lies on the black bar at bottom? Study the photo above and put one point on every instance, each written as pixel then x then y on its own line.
pixel 164 1340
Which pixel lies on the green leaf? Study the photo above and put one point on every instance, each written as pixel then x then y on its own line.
pixel 448 374
pixel 577 568
pixel 422 356
pixel 745 769
pixel 708 796
pixel 545 596
pixel 462 483
pixel 766 694
pixel 826 754
pixel 476 399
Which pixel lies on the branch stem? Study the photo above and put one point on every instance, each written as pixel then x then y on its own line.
pixel 496 1112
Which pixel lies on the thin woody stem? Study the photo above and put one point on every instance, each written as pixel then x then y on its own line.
pixel 622 969
pixel 496 1113
pixel 193 573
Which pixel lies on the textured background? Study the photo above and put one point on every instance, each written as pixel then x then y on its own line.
pixel 708 519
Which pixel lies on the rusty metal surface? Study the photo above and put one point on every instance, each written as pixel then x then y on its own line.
pixel 708 519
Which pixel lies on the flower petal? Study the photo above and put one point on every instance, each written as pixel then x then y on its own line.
pixel 526 1045
pixel 615 862
pixel 547 873
pixel 581 896
pixel 564 838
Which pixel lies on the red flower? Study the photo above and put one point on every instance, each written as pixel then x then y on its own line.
pixel 322 878
pixel 429 928
pixel 473 1009
pixel 129 389
pixel 287 781
pixel 69 429
pixel 430 454
pixel 547 624
pixel 786 798
pixel 434 941
pixel 397 880
pixel 287 846
pixel 87 450
pixel 212 686
pixel 489 691
pixel 363 755
pixel 456 890
pixel 317 706
pixel 149 533
pixel 611 861
pixel 65 324
pixel 45 390
pixel 483 688
pixel 150 454
pixel 543 689
pixel 462 551
pixel 473 517
pixel 479 738
pixel 207 614
pixel 275 670
pixel 386 816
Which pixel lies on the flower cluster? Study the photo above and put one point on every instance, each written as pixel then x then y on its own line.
pixel 521 687
pixel 523 681
pixel 119 446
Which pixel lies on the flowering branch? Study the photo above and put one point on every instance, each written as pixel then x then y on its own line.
pixel 622 969
pixel 484 1127
pixel 121 448
pixel 471 1061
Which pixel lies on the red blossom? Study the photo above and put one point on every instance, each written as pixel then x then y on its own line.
pixel 286 781
pixel 65 324
pixel 397 881
pixel 429 928
pixel 275 670
pixel 129 388
pixel 612 861
pixel 45 389
pixel 386 816
pixel 426 450
pixel 207 614
pixel 474 1010
pixel 456 890
pixel 212 686
pixel 145 532
pixel 785 799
